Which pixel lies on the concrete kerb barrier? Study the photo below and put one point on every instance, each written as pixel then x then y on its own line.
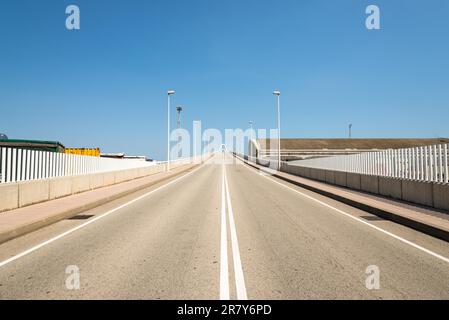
pixel 330 176
pixel 31 192
pixel 430 194
pixel 390 187
pixel 97 180
pixel 9 196
pixel 64 214
pixel 341 178
pixel 441 196
pixel 414 224
pixel 60 187
pixel 353 180
pixel 369 183
pixel 417 192
pixel 17 195
pixel 80 183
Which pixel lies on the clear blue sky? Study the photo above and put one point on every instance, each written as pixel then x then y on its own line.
pixel 104 85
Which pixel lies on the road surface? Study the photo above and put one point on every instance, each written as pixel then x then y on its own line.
pixel 220 231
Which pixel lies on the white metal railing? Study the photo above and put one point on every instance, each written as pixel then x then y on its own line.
pixel 23 165
pixel 428 163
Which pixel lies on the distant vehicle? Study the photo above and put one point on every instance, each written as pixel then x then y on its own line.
pixel 223 147
pixel 3 136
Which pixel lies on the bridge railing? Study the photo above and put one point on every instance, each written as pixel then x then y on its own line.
pixel 428 163
pixel 23 165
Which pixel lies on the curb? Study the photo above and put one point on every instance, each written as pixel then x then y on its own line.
pixel 27 228
pixel 388 215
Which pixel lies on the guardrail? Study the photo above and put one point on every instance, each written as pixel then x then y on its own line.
pixel 429 163
pixel 23 165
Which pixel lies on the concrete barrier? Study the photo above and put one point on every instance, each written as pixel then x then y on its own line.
pixel 390 187
pixel 340 178
pixel 321 175
pixel 60 187
pixel 16 195
pixel 80 183
pixel 428 194
pixel 353 180
pixel 441 196
pixel 417 192
pixel 369 183
pixel 307 173
pixel 31 192
pixel 108 178
pixel 96 180
pixel 330 176
pixel 9 196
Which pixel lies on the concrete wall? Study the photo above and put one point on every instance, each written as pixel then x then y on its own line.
pixel 429 194
pixel 16 195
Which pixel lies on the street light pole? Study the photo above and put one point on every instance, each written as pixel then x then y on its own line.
pixel 251 137
pixel 277 93
pixel 169 93
pixel 178 126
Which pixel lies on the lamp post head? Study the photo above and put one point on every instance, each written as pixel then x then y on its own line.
pixel 179 108
pixel 277 93
pixel 170 92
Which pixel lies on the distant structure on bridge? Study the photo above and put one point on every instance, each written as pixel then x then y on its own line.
pixel 38 145
pixel 300 149
pixel 122 155
pixel 57 147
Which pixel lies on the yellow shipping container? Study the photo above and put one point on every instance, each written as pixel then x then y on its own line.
pixel 92 152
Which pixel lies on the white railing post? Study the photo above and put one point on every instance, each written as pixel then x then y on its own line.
pixel 21 165
pixel 409 163
pixel 387 163
pixel 440 163
pixel 416 163
pixel 446 166
pixel 28 166
pixel 51 167
pixel 32 165
pixel 8 166
pixel 426 163
pixel 3 165
pixel 14 165
pixel 430 163
pixel 46 161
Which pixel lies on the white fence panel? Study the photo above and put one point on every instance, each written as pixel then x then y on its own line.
pixel 22 165
pixel 428 163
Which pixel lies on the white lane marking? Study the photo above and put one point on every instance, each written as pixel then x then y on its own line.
pixel 32 249
pixel 416 246
pixel 224 274
pixel 238 271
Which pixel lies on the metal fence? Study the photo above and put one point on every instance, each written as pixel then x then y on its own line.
pixel 23 165
pixel 429 163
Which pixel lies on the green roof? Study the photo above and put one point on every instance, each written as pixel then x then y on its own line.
pixel 31 141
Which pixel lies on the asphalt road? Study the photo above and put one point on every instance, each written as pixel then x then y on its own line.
pixel 224 231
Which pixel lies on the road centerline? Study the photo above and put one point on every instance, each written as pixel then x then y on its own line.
pixel 224 273
pixel 238 270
